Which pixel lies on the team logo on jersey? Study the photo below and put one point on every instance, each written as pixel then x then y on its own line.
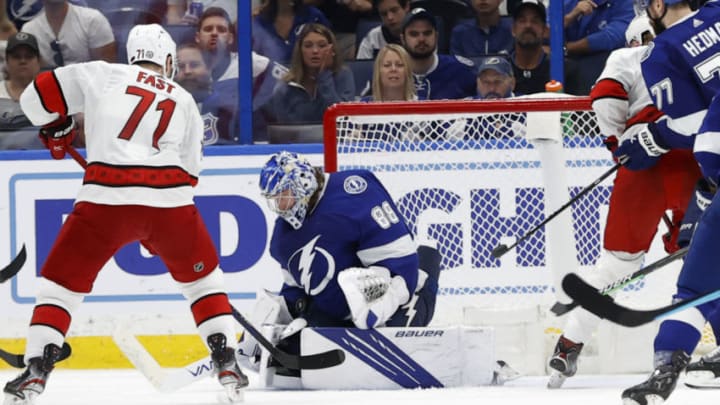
pixel 308 264
pixel 24 10
pixel 210 132
pixel 355 185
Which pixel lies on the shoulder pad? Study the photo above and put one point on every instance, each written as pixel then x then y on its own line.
pixel 355 184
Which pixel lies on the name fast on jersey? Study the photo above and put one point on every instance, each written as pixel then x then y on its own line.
pixel 155 81
pixel 703 40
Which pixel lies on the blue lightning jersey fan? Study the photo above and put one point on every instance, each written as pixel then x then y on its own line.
pixel 682 73
pixel 354 224
pixel 452 78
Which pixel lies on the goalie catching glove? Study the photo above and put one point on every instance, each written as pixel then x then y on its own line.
pixel 372 295
pixel 641 147
pixel 58 136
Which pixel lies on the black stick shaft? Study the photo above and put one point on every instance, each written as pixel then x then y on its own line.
pixel 561 209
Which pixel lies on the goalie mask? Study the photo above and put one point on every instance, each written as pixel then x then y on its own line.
pixel 288 181
pixel 151 43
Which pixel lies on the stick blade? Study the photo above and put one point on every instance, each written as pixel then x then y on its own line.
pixel 604 306
pixel 499 251
pixel 15 265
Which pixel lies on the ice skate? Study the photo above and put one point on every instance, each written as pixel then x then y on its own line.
pixel 704 373
pixel 563 362
pixel 661 383
pixel 27 386
pixel 226 367
pixel 504 373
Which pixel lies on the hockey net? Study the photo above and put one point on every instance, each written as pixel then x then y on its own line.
pixel 470 175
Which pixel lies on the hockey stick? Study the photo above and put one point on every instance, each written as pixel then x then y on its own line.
pixel 14 267
pixel 18 360
pixel 561 309
pixel 501 249
pixel 316 361
pixel 605 307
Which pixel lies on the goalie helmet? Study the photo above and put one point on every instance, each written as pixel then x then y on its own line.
pixel 288 171
pixel 151 43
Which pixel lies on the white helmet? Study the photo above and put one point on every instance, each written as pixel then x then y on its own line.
pixel 635 30
pixel 151 43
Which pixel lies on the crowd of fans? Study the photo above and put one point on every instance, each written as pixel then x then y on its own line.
pixel 305 51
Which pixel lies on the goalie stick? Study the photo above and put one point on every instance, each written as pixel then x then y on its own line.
pixel 316 361
pixel 605 307
pixel 14 267
pixel 561 309
pixel 18 360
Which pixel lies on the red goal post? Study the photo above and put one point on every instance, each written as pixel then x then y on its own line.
pixel 468 175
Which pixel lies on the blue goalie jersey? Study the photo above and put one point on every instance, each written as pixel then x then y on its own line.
pixel 354 224
pixel 682 73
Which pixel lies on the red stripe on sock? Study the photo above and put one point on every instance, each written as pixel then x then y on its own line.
pixel 53 316
pixel 209 307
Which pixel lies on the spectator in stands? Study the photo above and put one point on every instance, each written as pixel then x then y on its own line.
pixel 216 37
pixel 487 34
pixel 22 11
pixel 531 65
pixel 392 76
pixel 192 71
pixel 344 16
pixel 316 80
pixel 23 64
pixel 275 28
pixel 593 29
pixel 495 79
pixel 436 76
pixel 7 29
pixel 178 10
pixel 392 13
pixel 70 34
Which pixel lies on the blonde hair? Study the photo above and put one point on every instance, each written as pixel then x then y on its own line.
pixel 377 90
pixel 297 65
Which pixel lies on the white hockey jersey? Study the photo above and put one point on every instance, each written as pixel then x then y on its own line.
pixel 143 131
pixel 620 93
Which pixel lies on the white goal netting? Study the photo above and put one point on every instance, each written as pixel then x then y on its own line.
pixel 470 175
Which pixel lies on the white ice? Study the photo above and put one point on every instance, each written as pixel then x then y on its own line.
pixel 129 387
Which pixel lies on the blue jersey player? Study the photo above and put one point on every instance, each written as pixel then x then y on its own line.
pixel 347 257
pixel 682 74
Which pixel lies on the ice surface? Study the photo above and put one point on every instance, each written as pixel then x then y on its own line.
pixel 129 387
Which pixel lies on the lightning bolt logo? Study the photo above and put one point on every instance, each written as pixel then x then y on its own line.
pixel 26 6
pixel 306 257
pixel 304 265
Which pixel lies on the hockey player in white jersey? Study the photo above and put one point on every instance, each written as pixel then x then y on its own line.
pixel 638 199
pixel 680 71
pixel 143 142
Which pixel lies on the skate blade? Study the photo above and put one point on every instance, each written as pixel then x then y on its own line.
pixel 702 380
pixel 651 399
pixel 13 400
pixel 556 380
pixel 231 396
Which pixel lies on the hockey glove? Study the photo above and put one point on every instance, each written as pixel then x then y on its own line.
pixel 641 147
pixel 372 295
pixel 701 199
pixel 670 238
pixel 58 135
pixel 611 143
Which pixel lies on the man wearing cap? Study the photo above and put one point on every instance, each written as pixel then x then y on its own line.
pixel 437 77
pixel 531 64
pixel 486 34
pixel 22 65
pixel 495 79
